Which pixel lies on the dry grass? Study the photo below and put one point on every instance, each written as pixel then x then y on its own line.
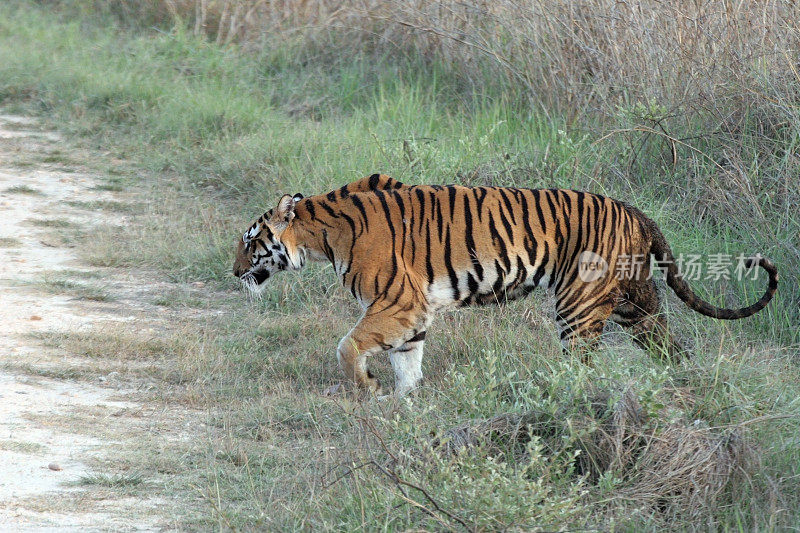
pixel 679 470
pixel 570 54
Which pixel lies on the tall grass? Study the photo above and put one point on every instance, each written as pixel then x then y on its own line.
pixel 565 53
pixel 688 112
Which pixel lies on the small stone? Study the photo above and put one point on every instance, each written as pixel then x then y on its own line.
pixel 35 317
pixel 54 466
pixel 333 390
pixel 198 284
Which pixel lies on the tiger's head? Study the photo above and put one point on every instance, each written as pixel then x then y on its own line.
pixel 268 246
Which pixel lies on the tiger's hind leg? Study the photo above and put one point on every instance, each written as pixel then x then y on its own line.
pixel 581 324
pixel 639 313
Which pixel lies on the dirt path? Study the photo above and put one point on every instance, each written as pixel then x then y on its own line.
pixel 61 438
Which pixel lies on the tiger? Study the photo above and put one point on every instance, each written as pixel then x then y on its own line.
pixel 407 252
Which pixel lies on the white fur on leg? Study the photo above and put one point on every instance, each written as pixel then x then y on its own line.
pixel 407 365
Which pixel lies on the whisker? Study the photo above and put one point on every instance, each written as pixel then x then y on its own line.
pixel 252 289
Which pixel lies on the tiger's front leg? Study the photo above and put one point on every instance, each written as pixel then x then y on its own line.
pixel 407 363
pixel 396 329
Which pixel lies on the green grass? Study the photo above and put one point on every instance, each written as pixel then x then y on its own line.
pixel 78 290
pixel 72 273
pixel 59 157
pixel 181 298
pixel 113 481
pixel 105 205
pixel 32 448
pixel 61 373
pixel 111 184
pixel 216 134
pixel 9 242
pixel 61 223
pixel 23 189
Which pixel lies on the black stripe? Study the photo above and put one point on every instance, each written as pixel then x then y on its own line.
pixel 538 204
pixel 480 196
pixel 326 248
pixel 451 196
pixel 421 198
pixel 439 217
pixel 506 225
pixel 471 251
pixel 428 265
pixel 579 237
pixel 565 281
pixel 555 216
pixel 328 209
pixel 510 208
pixel 401 206
pixel 311 210
pixel 353 285
pixel 382 197
pixel 413 249
pixel 497 288
pixel 418 337
pixel 373 181
pixel 530 239
pixel 352 225
pixel 448 263
pixel 497 240
pixel 521 274
pixel 598 208
pixel 542 270
pixel 563 249
pixel 613 227
pixel 472 284
pixel 360 205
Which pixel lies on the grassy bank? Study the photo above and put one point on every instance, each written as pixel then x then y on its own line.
pixel 216 133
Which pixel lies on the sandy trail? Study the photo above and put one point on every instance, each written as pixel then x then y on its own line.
pixel 35 410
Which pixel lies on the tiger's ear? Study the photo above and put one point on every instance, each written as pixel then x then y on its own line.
pixel 297 197
pixel 284 213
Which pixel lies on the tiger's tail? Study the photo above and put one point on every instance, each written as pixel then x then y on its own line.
pixel 662 253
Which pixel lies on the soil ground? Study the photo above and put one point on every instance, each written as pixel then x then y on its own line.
pixel 67 421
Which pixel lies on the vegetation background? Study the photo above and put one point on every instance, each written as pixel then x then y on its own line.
pixel 690 111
